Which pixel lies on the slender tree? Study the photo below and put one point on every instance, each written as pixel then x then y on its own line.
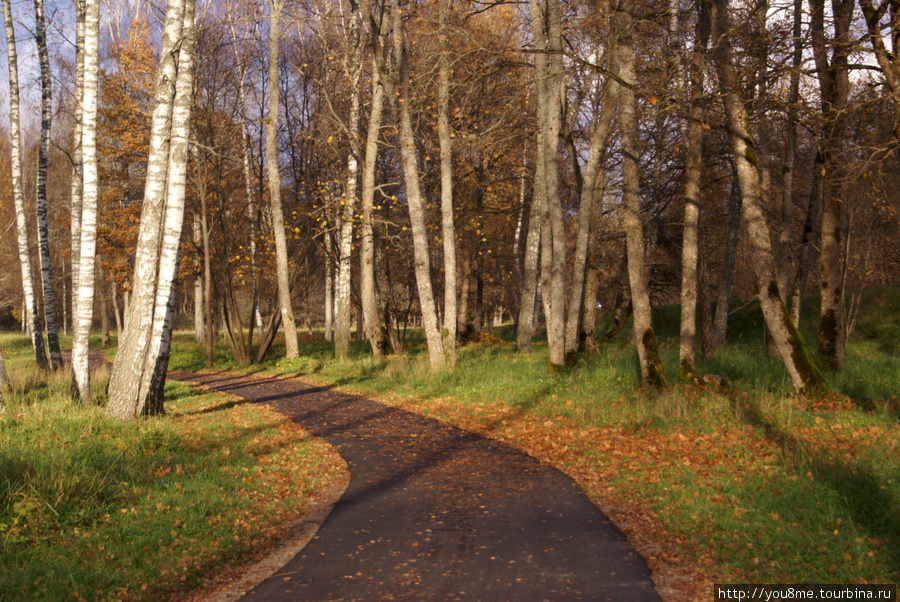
pixel 448 230
pixel 644 338
pixel 281 257
pixel 82 320
pixel 691 246
pixel 805 376
pixel 30 306
pixel 40 37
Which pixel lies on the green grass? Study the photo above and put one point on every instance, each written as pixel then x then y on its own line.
pixel 97 509
pixel 747 482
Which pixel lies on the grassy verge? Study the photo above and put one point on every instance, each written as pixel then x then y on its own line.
pixel 738 484
pixel 97 509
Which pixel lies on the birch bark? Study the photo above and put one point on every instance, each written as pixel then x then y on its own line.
pixel 131 358
pixel 41 203
pixel 30 311
pixel 84 306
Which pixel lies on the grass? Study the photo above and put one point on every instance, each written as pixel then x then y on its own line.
pixel 97 509
pixel 739 484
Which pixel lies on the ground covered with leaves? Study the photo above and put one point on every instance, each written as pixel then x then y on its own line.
pixel 96 509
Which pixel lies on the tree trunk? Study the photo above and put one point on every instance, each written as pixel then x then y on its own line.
pixel 546 29
pixel 81 329
pixel 367 246
pixel 29 311
pixel 348 202
pixel 77 160
pixel 448 230
pixel 834 86
pixel 593 173
pixel 805 376
pixel 281 257
pixel 723 300
pixel 648 353
pixel 408 154
pixel 41 204
pixel 138 358
pixel 691 247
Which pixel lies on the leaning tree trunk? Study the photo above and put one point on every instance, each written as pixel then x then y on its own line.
pixel 132 358
pixel 30 312
pixel 41 204
pixel 583 291
pixel 371 317
pixel 648 353
pixel 448 230
pixel 281 257
pixel 348 203
pixel 690 253
pixel 399 96
pixel 805 376
pixel 81 328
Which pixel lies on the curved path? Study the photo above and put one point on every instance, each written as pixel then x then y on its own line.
pixel 435 512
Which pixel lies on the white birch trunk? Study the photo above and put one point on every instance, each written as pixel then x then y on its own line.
pixel 160 338
pixel 29 311
pixel 131 357
pixel 81 329
pixel 199 327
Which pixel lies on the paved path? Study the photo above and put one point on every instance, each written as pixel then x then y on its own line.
pixel 433 512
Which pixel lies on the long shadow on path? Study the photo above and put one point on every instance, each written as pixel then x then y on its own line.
pixel 435 512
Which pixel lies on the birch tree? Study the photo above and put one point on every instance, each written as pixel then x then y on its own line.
pixel 448 230
pixel 40 37
pixel 281 258
pixel 30 306
pixel 398 93
pixel 644 338
pixel 805 376
pixel 691 245
pixel 77 161
pixel 82 319
pixel 353 69
pixel 138 373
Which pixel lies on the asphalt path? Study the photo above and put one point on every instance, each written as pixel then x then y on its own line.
pixel 433 512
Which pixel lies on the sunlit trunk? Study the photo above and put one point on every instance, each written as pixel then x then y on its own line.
pixel 84 294
pixel 281 257
pixel 29 311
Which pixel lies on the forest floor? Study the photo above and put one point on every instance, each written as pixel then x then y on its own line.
pixel 435 512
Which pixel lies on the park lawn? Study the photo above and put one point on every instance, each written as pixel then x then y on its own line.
pixel 742 483
pixel 96 509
